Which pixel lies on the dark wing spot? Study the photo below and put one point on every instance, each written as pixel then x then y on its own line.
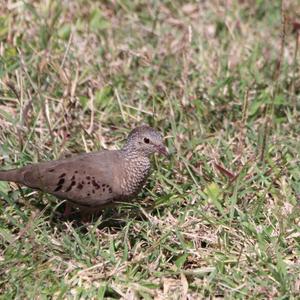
pixel 103 185
pixel 89 182
pixel 93 191
pixel 79 186
pixel 51 170
pixel 73 177
pixel 59 184
pixel 110 190
pixel 88 177
pixel 76 172
pixel 95 184
pixel 88 194
pixel 103 189
pixel 70 186
pixel 62 175
pixel 58 188
pixel 83 182
pixel 61 181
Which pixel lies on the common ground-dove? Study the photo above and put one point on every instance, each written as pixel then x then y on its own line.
pixel 93 180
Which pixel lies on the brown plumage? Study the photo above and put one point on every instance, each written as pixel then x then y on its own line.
pixel 92 180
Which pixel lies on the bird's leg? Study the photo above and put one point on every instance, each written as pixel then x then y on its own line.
pixel 88 213
pixel 68 210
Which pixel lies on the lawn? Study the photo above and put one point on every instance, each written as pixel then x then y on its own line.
pixel 220 80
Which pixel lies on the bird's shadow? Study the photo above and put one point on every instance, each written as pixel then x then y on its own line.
pixel 114 218
pixel 105 218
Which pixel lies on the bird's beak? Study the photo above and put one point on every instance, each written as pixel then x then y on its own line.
pixel 163 150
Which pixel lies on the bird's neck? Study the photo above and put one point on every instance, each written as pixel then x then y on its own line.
pixel 136 170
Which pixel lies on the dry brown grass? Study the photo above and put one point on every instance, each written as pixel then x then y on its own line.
pixel 221 81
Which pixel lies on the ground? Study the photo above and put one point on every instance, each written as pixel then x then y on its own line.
pixel 220 80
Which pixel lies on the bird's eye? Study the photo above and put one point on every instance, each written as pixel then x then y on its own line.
pixel 146 140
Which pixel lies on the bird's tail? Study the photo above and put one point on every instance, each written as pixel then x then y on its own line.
pixel 10 175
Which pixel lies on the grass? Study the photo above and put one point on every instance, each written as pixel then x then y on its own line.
pixel 220 80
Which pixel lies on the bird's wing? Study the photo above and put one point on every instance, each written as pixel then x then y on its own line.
pixel 87 180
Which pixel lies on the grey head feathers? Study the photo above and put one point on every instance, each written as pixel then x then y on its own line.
pixel 144 141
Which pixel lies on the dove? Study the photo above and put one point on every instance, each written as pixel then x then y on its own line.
pixel 94 180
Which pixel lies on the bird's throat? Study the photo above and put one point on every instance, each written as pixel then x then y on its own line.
pixel 136 170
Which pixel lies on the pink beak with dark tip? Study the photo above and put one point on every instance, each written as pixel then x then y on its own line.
pixel 163 150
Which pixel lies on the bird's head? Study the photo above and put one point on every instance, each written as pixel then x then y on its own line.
pixel 145 140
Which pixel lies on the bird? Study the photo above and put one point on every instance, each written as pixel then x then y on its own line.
pixel 93 181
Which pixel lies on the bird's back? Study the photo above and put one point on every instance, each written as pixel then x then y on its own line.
pixel 86 179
